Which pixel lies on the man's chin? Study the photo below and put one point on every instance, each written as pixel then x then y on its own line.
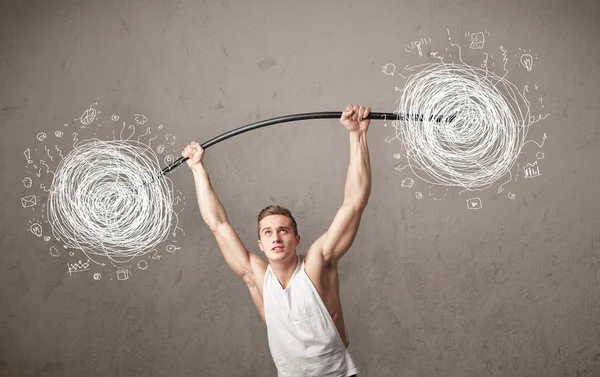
pixel 277 256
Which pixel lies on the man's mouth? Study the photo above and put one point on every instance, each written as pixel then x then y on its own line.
pixel 277 248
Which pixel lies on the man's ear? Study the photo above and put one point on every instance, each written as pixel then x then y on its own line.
pixel 297 239
pixel 260 246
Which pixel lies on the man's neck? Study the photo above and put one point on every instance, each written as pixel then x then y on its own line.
pixel 284 269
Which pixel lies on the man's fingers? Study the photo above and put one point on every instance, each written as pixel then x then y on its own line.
pixel 349 110
pixel 347 113
pixel 356 113
pixel 191 150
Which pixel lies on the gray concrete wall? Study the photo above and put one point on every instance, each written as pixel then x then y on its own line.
pixel 429 288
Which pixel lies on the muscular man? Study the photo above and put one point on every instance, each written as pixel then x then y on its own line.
pixel 297 296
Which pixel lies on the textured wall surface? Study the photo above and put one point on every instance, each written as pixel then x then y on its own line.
pixel 441 281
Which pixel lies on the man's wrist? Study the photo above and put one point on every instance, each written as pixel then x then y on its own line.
pixel 198 168
pixel 358 133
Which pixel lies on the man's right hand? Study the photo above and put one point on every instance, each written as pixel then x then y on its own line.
pixel 194 152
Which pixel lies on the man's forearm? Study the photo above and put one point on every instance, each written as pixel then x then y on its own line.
pixel 210 206
pixel 358 181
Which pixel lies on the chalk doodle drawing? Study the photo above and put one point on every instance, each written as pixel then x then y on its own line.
pixel 78 267
pixel 389 69
pixel 526 59
pixel 54 251
pixel 474 203
pixel 418 45
pixel 408 182
pixel 477 39
pixel 29 201
pixel 99 199
pixel 88 116
pixel 140 119
pixel 531 170
pixel 463 125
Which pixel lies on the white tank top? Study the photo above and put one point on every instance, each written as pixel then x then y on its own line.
pixel 303 339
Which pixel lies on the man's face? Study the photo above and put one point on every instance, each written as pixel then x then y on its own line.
pixel 277 239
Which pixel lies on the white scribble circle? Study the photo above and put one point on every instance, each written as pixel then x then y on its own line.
pixel 114 118
pixel 483 140
pixel 58 133
pixel 105 199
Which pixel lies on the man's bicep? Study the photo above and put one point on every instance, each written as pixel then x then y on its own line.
pixel 342 232
pixel 235 253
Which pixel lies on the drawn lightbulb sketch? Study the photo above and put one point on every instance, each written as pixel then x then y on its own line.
pixel 527 61
pixel 486 119
pixel 35 228
pixel 99 199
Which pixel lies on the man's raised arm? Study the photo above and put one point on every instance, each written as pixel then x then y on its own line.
pixel 340 235
pixel 214 215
